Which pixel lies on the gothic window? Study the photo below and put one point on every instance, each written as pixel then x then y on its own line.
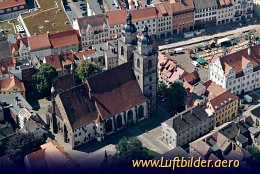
pixel 119 121
pixel 109 125
pixel 149 64
pixel 141 112
pixel 138 63
pixel 130 115
pixel 122 50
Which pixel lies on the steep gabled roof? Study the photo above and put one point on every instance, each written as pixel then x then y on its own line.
pixel 115 90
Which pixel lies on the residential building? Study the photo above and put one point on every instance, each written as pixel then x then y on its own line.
pixel 224 107
pixel 34 127
pixel 168 70
pixel 44 45
pixel 205 13
pixel 38 46
pixel 140 17
pixel 64 42
pixel 61 62
pixel 100 106
pixel 225 11
pixel 5 52
pixel 11 85
pixel 183 16
pixel 243 10
pixel 237 72
pixel 186 126
pixel 237 132
pixel 111 5
pixel 256 7
pixel 10 9
pixel 164 19
pixel 215 146
pixel 92 30
pixel 51 157
pixel 16 108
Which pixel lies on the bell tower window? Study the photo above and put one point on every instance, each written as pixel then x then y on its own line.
pixel 150 64
pixel 122 51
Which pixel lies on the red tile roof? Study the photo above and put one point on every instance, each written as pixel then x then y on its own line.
pixel 239 60
pixel 192 77
pixel 213 90
pixel 115 90
pixel 39 42
pixel 5 64
pixel 80 54
pixel 52 156
pixel 60 63
pixel 163 9
pixel 65 38
pixel 119 16
pixel 11 3
pixel 222 100
pixel 181 6
pixel 79 109
pixel 7 84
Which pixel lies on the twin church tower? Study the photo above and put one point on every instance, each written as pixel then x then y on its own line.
pixel 143 55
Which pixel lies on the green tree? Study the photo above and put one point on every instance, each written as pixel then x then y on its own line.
pixel 162 87
pixel 86 69
pixel 176 97
pixel 22 144
pixel 43 79
pixel 130 148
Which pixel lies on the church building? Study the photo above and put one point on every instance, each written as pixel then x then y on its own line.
pixel 112 100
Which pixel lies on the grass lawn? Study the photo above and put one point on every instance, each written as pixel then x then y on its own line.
pixel 53 20
pixel 8 26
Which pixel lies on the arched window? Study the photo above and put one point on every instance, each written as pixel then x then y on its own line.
pixel 109 125
pixel 130 115
pixel 150 78
pixel 141 112
pixel 119 121
pixel 138 63
pixel 149 64
pixel 122 50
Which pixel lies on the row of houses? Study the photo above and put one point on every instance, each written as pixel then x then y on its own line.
pixel 164 18
pixel 194 129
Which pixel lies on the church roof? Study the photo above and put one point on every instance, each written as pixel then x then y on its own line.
pixel 116 90
pixel 106 94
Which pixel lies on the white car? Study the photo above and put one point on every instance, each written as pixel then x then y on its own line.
pixel 195 63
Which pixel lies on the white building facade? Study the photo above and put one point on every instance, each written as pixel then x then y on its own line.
pixel 243 10
pixel 225 13
pixel 231 77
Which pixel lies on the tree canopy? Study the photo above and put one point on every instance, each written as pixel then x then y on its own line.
pixel 43 79
pixel 86 69
pixel 22 144
pixel 130 148
pixel 176 97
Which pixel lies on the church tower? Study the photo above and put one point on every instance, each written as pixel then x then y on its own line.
pixel 53 114
pixel 145 67
pixel 126 44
